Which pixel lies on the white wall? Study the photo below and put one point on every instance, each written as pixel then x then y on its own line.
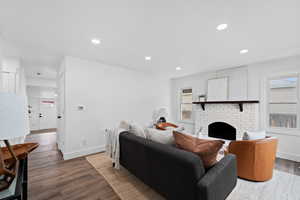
pixel 9 61
pixel 109 94
pixel 247 82
pixel 198 83
pixel 41 92
pixel 15 83
pixel 1 49
pixel 40 82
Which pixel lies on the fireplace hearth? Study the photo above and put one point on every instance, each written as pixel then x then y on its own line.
pixel 222 130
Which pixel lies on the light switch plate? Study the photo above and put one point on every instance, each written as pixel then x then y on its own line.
pixel 80 107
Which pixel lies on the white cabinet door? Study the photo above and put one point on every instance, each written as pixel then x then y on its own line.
pixel 8 81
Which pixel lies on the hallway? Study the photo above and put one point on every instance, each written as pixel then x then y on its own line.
pixel 51 178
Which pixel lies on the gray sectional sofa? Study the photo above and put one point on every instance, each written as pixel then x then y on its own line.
pixel 174 173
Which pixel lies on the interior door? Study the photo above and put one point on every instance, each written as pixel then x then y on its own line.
pixel 61 111
pixel 47 113
pixel 34 112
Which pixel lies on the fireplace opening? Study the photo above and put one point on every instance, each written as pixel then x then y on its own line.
pixel 222 130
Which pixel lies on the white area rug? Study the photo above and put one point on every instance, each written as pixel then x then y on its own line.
pixel 283 186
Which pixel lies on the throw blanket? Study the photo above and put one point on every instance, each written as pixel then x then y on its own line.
pixel 112 142
pixel 113 146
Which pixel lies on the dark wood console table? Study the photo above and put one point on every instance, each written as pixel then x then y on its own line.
pixel 20 188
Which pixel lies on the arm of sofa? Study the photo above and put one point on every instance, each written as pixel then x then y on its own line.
pixel 219 181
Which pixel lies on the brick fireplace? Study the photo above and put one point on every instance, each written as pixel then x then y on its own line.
pixel 241 121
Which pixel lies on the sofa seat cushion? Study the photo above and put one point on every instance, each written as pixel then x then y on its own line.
pixel 206 149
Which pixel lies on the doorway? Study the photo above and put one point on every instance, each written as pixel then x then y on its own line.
pixel 42 109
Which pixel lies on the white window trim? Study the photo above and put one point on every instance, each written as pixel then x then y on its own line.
pixel 282 131
pixel 179 107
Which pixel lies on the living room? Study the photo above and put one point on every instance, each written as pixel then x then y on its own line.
pixel 149 100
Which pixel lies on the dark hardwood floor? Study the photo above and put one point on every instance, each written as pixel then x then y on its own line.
pixel 51 178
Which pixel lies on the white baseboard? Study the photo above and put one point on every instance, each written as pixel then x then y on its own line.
pixel 288 156
pixel 83 152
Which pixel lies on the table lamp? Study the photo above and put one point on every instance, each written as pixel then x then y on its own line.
pixel 12 125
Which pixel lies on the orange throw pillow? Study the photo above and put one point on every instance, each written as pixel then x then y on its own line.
pixel 206 149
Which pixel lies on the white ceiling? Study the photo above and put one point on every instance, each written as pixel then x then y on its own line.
pixel 173 32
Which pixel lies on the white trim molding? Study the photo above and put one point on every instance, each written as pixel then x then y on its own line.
pixel 83 152
pixel 288 156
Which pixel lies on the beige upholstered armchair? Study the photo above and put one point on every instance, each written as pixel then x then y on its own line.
pixel 255 158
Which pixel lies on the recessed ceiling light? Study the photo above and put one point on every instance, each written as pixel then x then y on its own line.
pixel 178 68
pixel 243 51
pixel 96 41
pixel 222 27
pixel 147 57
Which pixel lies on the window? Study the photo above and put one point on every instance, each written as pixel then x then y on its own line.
pixel 283 102
pixel 186 105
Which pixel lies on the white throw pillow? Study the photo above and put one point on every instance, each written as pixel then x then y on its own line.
pixel 254 135
pixel 124 125
pixel 164 137
pixel 137 130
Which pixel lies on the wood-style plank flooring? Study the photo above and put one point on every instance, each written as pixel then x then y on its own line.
pixel 288 166
pixel 51 178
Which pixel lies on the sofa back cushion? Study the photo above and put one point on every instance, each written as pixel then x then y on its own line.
pixel 137 130
pixel 206 149
pixel 170 171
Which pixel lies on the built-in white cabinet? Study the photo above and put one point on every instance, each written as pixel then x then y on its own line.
pixel 9 76
pixel 237 82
